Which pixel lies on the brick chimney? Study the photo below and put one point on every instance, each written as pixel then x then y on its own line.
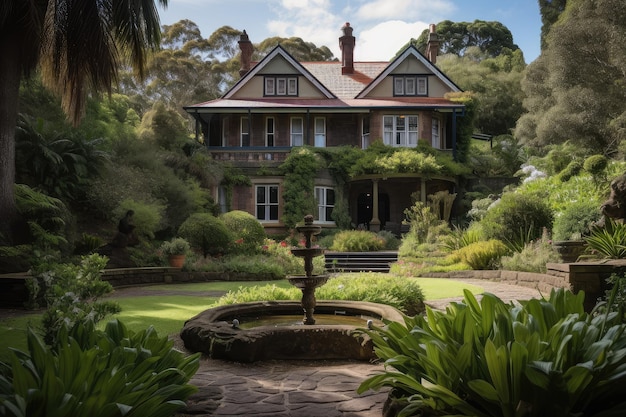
pixel 246 53
pixel 432 46
pixel 346 43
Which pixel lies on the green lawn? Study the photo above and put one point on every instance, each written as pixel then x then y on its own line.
pixel 167 312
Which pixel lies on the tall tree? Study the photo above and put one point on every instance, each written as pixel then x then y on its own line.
pixel 457 37
pixel 550 11
pixel 76 45
pixel 575 90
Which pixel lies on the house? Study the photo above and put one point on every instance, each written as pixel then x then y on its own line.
pixel 280 103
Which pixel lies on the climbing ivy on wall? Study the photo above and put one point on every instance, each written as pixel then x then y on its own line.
pixel 299 171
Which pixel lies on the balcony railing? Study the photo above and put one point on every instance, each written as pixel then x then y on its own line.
pixel 250 154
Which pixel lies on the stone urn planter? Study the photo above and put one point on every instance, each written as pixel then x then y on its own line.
pixel 570 250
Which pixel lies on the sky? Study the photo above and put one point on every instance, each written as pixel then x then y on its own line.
pixel 381 27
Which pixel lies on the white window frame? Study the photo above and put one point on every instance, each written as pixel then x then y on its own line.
pixel 319 128
pixel 296 138
pixel 401 131
pixel 225 131
pixel 292 86
pixel 270 132
pixel 266 209
pixel 324 207
pixel 270 86
pixel 410 85
pixel 280 86
pixel 244 131
pixel 365 132
pixel 436 133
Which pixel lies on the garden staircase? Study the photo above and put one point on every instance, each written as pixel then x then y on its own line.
pixel 360 261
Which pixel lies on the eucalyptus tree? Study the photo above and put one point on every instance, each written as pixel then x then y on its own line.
pixel 457 37
pixel 575 90
pixel 77 46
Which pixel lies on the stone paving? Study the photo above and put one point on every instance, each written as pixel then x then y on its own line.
pixel 302 389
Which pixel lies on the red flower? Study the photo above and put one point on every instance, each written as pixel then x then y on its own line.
pixel 239 241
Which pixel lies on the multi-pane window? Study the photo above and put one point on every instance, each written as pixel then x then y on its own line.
pixel 280 86
pixel 267 202
pixel 365 138
pixel 436 134
pixel 270 131
pixel 245 132
pixel 410 85
pixel 297 131
pixel 400 130
pixel 320 132
pixel 325 198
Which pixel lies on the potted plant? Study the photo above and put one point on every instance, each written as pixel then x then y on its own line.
pixel 175 250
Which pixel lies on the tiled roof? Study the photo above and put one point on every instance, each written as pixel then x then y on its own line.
pixel 348 85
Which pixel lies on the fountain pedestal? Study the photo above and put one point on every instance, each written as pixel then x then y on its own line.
pixel 309 282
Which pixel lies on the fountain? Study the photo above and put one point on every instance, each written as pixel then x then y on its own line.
pixel 309 282
pixel 248 332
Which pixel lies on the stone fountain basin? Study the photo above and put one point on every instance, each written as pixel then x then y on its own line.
pixel 211 332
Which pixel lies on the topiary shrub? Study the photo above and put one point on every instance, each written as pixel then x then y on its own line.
pixel 357 241
pixel 207 234
pixel 247 231
pixel 575 221
pixel 483 254
pixel 517 219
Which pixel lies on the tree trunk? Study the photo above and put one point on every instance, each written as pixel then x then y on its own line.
pixel 9 98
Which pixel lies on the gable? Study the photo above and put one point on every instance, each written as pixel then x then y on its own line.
pixel 410 63
pixel 277 64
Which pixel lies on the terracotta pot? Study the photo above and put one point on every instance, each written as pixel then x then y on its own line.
pixel 176 261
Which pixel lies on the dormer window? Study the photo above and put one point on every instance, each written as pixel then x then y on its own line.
pixel 410 85
pixel 280 86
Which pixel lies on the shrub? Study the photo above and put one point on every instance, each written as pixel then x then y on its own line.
pixel 247 231
pixel 517 219
pixel 596 165
pixel 148 217
pixel 425 226
pixel 575 220
pixel 533 258
pixel 608 241
pixel 391 241
pixel 279 253
pixel 571 170
pixel 491 358
pixel 95 373
pixel 176 246
pixel 404 294
pixel 357 241
pixel 460 238
pixel 206 233
pixel 483 254
pixel 72 294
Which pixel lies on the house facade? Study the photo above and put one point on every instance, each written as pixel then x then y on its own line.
pixel 280 103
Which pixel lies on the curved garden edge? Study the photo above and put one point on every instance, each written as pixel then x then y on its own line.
pixel 586 276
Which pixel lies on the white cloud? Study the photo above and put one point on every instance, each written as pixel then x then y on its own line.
pixel 383 41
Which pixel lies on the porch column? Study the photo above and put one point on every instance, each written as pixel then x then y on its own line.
pixel 423 190
pixel 375 222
